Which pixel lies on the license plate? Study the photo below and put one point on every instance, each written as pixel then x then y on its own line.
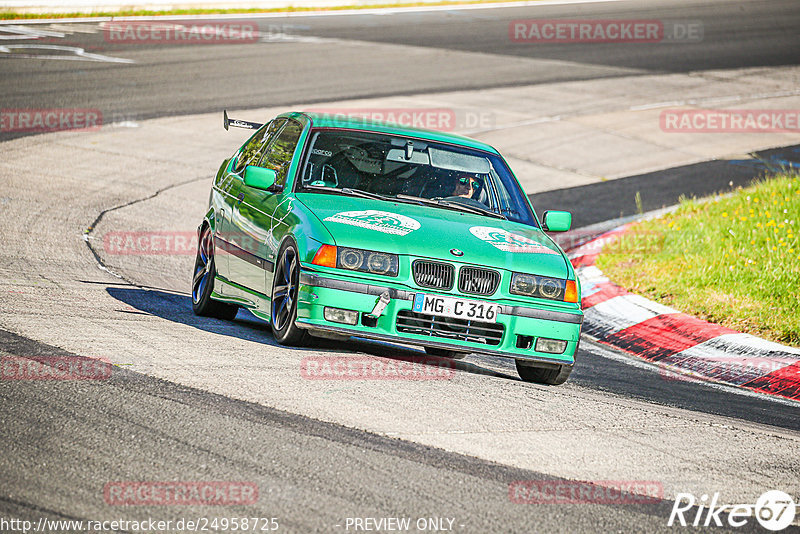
pixel 458 308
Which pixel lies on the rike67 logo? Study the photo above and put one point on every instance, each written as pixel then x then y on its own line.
pixel 774 510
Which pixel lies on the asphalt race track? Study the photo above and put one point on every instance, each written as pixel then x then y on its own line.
pixel 196 399
pixel 429 53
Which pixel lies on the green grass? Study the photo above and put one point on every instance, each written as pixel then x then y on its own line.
pixel 7 14
pixel 732 260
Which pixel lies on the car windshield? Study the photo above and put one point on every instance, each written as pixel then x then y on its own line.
pixel 394 168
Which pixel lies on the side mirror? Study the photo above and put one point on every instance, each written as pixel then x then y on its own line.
pixel 259 177
pixel 557 221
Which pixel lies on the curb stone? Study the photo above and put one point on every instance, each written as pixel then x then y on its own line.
pixel 684 347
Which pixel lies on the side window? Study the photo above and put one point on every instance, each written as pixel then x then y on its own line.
pixel 279 155
pixel 253 150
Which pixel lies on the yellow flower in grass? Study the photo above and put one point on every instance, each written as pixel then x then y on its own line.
pixel 724 213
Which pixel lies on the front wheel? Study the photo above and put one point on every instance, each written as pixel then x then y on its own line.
pixel 203 282
pixel 283 310
pixel 553 374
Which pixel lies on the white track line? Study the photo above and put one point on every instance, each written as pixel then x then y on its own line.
pixel 79 53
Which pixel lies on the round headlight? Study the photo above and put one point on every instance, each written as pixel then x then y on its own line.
pixel 379 263
pixel 351 259
pixel 549 288
pixel 524 284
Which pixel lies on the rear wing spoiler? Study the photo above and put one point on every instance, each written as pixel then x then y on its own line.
pixel 236 123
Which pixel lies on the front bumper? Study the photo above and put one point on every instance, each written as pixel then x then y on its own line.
pixel 318 291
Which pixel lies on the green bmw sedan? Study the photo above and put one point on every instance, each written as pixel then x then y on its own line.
pixel 327 226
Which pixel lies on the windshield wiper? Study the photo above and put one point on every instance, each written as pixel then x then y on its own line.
pixel 453 205
pixel 349 191
pixel 418 200
pixel 321 188
pixel 447 204
pixel 473 209
pixel 364 194
pixel 405 199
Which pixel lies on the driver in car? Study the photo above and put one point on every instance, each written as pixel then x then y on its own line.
pixel 466 185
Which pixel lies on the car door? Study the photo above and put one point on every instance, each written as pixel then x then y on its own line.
pixel 233 245
pixel 222 205
pixel 253 220
pixel 227 190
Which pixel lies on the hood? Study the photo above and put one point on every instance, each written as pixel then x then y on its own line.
pixel 426 231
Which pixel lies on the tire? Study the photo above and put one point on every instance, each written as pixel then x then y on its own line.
pixel 553 376
pixel 203 282
pixel 283 306
pixel 446 353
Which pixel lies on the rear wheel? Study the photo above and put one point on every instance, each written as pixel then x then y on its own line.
pixel 283 310
pixel 446 353
pixel 552 374
pixel 203 282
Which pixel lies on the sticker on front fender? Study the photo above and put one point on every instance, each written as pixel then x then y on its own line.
pixel 470 310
